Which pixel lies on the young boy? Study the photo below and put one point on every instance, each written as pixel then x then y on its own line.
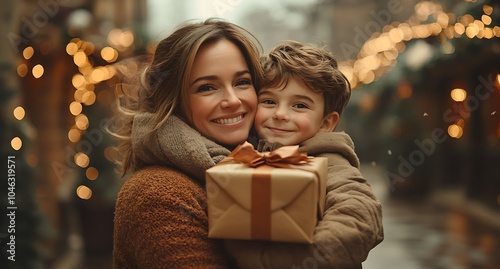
pixel 301 104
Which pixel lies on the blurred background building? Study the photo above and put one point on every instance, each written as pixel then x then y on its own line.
pixel 424 112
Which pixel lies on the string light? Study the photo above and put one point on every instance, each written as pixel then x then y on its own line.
pixel 16 143
pixel 22 70
pixel 37 71
pixel 75 108
pixel 455 131
pixel 28 53
pixel 458 95
pixel 19 113
pixel 92 173
pixel 84 192
pixel 81 159
pixel 445 26
pixel 109 54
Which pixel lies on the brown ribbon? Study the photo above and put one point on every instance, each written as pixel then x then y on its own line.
pixel 284 157
pixel 260 211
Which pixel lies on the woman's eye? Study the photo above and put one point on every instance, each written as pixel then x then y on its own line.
pixel 205 88
pixel 244 81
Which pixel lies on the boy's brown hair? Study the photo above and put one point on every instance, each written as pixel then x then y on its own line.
pixel 314 65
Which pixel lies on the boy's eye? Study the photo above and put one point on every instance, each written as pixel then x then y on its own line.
pixel 267 102
pixel 300 105
pixel 244 81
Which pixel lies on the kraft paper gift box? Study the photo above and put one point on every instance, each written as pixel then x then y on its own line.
pixel 276 196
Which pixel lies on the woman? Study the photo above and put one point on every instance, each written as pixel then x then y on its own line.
pixel 160 216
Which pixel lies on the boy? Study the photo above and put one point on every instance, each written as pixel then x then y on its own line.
pixel 301 104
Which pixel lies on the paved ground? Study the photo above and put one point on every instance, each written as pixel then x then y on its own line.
pixel 439 232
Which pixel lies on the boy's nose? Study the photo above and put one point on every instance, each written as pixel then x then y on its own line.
pixel 281 114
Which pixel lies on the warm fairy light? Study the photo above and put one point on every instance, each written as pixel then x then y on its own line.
pixel 486 19
pixel 114 37
pixel 471 31
pixel 37 71
pixel 79 94
pixel 16 143
pixel 92 173
pixel 19 113
pixel 87 47
pixel 455 131
pixel 443 19
pixel 459 28
pixel 487 9
pixel 88 98
pixel 97 75
pixel 396 35
pixel 28 53
pixel 22 70
pixel 447 48
pixel 75 108
pixel 496 30
pixel 74 135
pixel 126 38
pixel 109 54
pixel 80 58
pixel 458 94
pixel 78 80
pixel 81 159
pixel 488 33
pixel 82 122
pixel 84 192
pixel 71 48
pixel 466 19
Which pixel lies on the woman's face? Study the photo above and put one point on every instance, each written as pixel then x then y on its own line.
pixel 222 99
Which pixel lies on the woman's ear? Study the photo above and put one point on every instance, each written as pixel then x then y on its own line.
pixel 330 121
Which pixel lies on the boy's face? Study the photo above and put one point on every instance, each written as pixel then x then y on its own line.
pixel 292 114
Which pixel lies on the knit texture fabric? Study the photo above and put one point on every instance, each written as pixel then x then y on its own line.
pixel 174 144
pixel 161 222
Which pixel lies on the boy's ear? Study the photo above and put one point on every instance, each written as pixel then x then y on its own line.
pixel 330 121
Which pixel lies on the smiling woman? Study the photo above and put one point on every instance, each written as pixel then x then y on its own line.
pixel 203 76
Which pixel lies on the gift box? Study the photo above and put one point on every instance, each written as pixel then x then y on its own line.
pixel 275 196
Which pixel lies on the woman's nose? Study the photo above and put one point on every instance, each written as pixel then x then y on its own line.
pixel 230 99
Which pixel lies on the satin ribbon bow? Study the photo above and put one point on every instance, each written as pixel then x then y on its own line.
pixel 281 157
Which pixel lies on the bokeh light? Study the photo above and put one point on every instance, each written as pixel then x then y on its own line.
pixel 37 71
pixel 16 143
pixel 19 113
pixel 84 192
pixel 458 94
